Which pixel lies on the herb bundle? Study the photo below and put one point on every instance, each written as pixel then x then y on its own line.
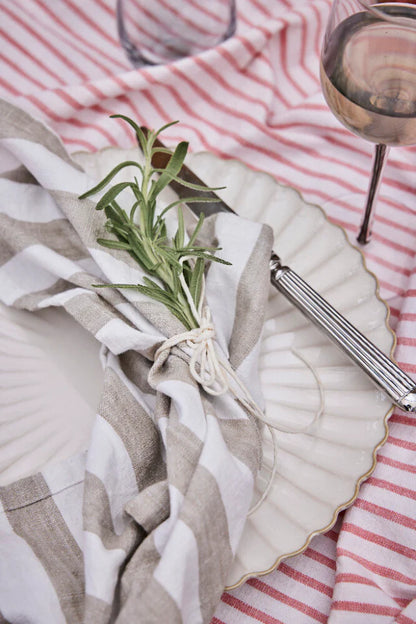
pixel 142 232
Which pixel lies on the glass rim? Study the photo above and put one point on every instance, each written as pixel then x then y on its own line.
pixel 402 21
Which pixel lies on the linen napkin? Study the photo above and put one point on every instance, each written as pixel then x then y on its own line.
pixel 144 525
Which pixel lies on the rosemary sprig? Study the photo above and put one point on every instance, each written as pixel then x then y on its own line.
pixel 143 234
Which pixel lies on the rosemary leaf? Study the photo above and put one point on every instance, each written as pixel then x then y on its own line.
pixel 113 215
pixel 195 285
pixel 110 176
pixel 168 125
pixel 158 150
pixel 180 234
pixel 197 187
pixel 189 200
pixel 159 295
pixel 139 132
pixel 148 282
pixel 120 231
pixel 120 211
pixel 212 258
pixel 113 244
pixel 111 194
pixel 172 169
pixel 171 257
pixel 196 229
pixel 140 255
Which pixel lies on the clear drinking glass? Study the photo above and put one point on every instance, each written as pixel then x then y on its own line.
pixel 368 76
pixel 161 31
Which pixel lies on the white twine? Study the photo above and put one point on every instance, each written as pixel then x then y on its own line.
pixel 216 375
pixel 272 427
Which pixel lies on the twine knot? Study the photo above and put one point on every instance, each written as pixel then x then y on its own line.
pixel 204 365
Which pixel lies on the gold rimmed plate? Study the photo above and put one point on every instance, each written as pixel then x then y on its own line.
pixel 318 471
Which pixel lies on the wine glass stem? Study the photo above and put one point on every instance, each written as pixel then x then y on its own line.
pixel 379 160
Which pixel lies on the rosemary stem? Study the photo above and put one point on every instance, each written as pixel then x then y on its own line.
pixel 147 241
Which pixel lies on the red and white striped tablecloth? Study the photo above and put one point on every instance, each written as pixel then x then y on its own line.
pixel 257 98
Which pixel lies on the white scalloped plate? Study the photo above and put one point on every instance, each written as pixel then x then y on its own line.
pixel 318 473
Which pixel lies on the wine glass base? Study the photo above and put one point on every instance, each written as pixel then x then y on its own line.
pixel 347 211
pixel 364 236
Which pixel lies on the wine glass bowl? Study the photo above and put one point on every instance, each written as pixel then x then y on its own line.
pixel 368 77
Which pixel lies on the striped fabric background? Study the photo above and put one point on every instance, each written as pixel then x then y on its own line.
pixel 256 98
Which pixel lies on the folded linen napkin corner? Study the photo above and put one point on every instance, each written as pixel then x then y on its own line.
pixel 168 480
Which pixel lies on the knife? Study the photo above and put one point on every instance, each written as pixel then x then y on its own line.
pixel 380 369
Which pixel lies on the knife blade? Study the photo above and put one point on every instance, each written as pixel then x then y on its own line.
pixel 380 369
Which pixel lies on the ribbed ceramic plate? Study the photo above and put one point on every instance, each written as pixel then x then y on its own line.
pixel 319 472
pixel 50 384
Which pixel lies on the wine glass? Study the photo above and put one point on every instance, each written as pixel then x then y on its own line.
pixel 154 32
pixel 368 77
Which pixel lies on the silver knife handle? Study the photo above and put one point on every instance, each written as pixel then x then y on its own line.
pixel 385 373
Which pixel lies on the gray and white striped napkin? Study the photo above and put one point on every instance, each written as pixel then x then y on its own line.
pixel 144 525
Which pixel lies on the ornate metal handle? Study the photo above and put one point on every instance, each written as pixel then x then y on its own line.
pixel 383 372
